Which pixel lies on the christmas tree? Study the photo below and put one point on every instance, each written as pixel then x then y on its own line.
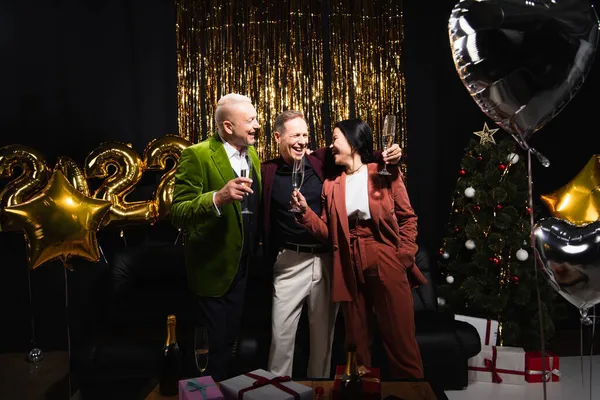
pixel 486 258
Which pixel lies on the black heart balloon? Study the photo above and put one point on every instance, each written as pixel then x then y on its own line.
pixel 522 61
pixel 570 259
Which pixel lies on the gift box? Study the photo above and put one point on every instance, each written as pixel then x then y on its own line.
pixel 202 388
pixel 533 367
pixel 263 385
pixel 371 383
pixel 487 328
pixel 500 364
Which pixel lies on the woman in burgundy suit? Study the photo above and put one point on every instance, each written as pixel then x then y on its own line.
pixel 372 227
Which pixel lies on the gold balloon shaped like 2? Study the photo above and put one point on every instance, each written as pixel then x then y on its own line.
pixel 128 168
pixel 156 155
pixel 34 174
pixel 579 200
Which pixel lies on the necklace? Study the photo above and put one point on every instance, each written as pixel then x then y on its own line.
pixel 355 170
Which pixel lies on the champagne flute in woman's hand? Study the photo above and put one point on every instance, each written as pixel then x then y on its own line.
pixel 388 137
pixel 201 349
pixel 297 178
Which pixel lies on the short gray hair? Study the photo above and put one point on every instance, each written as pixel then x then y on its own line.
pixel 281 119
pixel 224 103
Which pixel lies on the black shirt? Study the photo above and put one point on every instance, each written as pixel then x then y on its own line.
pixel 284 227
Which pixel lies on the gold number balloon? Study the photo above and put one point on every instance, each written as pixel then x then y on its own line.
pixel 33 174
pixel 156 155
pixel 73 173
pixel 118 182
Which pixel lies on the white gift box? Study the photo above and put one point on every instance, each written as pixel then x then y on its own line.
pixel 498 364
pixel 487 329
pixel 262 385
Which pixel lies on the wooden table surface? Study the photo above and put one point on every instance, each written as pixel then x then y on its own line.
pixel 405 390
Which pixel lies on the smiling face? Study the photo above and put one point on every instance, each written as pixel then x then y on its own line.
pixel 340 148
pixel 292 140
pixel 241 126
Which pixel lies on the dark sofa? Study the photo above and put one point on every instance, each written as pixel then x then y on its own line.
pixel 121 308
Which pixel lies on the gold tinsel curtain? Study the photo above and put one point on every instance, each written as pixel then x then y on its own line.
pixel 330 59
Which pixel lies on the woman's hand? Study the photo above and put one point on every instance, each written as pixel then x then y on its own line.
pixel 299 201
pixel 392 155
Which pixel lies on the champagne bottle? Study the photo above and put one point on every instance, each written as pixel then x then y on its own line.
pixel 171 367
pixel 351 386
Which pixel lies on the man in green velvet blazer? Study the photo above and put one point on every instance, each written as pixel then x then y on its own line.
pixel 207 204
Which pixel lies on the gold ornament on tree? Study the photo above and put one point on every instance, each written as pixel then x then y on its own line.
pixel 486 134
pixel 578 202
pixel 59 222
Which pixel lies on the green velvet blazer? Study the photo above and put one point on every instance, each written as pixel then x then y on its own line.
pixel 214 243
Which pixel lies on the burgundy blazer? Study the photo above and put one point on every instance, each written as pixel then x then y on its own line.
pixel 390 211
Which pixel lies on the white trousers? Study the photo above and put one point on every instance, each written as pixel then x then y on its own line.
pixel 299 278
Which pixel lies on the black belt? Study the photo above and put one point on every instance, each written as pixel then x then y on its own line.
pixel 305 249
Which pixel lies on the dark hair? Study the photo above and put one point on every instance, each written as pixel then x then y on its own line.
pixel 359 136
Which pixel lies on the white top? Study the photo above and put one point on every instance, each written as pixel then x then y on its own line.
pixel 238 162
pixel 357 194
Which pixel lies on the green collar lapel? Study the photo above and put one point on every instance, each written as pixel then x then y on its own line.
pixel 221 161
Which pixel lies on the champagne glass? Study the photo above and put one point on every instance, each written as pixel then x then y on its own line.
pixel 297 178
pixel 388 137
pixel 201 349
pixel 245 173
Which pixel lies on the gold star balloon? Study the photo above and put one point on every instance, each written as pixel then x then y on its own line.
pixel 579 200
pixel 59 222
pixel 486 135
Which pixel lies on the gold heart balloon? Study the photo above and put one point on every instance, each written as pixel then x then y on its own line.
pixel 579 200
pixel 59 222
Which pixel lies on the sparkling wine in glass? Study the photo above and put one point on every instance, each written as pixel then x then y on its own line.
pixel 201 349
pixel 245 173
pixel 297 178
pixel 388 137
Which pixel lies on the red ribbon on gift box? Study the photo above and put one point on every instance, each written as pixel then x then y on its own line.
pixel 261 381
pixel 490 366
pixel 488 330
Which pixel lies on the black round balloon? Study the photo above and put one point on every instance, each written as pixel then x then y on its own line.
pixel 522 61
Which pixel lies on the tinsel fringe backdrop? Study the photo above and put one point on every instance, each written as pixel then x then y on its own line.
pixel 331 59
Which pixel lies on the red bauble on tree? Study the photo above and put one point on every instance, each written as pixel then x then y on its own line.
pixel 515 279
pixel 479 158
pixel 502 167
pixel 498 207
pixel 462 172
pixel 495 260
pixel 476 208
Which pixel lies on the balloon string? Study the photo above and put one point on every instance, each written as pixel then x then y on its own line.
pixel 592 349
pixel 68 330
pixel 33 341
pixel 535 266
pixel 581 351
pixel 541 158
pixel 103 256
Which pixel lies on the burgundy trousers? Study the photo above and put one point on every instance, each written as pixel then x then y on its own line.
pixel 383 289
